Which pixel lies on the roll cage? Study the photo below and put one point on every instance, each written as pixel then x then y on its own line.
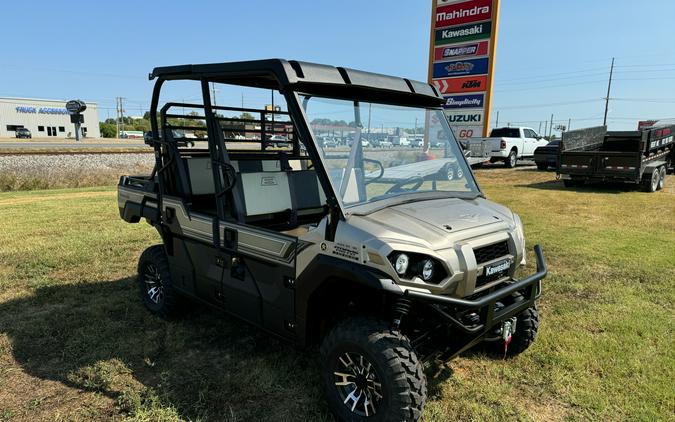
pixel 288 77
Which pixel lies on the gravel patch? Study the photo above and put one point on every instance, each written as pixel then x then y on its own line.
pixel 26 172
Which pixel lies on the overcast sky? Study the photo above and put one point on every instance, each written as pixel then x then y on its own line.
pixel 552 57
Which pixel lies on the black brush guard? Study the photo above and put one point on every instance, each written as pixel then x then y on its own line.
pixel 485 306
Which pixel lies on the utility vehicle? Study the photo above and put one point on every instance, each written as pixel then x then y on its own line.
pixel 375 255
pixel 640 157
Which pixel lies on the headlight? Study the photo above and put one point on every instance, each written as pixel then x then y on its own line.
pixel 427 270
pixel 520 236
pixel 401 264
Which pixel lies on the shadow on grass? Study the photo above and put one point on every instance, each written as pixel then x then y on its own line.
pixel 98 337
pixel 601 188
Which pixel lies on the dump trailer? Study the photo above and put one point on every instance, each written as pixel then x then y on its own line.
pixel 596 155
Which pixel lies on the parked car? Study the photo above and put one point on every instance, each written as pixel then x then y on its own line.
pixel 509 144
pixel 547 156
pixel 278 140
pixel 385 143
pixel 23 133
pixel 417 143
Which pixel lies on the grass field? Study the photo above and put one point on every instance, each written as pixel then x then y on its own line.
pixel 76 344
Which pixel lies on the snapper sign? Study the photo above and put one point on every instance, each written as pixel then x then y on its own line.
pixel 461 60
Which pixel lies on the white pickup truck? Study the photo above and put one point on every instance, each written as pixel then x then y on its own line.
pixel 509 144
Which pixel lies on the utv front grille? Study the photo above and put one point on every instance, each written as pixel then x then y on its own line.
pixel 491 252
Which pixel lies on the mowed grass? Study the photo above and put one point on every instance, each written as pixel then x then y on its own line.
pixel 76 343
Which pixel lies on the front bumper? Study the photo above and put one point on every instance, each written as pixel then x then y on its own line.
pixel 486 305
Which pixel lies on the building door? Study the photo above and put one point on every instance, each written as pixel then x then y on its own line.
pixel 51 130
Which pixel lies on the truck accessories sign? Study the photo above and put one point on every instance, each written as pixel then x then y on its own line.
pixel 461 61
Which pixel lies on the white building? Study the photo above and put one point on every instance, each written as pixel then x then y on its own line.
pixel 44 118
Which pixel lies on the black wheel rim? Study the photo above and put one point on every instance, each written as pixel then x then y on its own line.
pixel 357 384
pixel 153 284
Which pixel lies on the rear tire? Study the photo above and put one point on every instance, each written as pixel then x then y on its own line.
pixel 541 166
pixel 155 283
pixel 371 373
pixel 512 159
pixel 662 177
pixel 651 183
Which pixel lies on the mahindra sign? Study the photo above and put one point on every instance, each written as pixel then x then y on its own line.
pixel 469 11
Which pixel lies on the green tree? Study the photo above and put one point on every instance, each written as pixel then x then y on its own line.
pixel 108 130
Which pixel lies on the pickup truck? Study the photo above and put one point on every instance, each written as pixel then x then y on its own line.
pixel 509 144
pixel 595 155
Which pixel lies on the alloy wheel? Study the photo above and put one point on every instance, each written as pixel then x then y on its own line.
pixel 153 284
pixel 358 384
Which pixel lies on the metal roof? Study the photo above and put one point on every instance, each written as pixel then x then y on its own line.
pixel 310 78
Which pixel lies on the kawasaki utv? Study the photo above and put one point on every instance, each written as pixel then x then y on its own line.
pixel 385 257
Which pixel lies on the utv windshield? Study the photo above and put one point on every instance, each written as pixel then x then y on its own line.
pixel 374 151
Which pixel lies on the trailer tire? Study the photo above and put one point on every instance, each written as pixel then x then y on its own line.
pixel 370 348
pixel 662 177
pixel 512 159
pixel 155 283
pixel 541 166
pixel 650 183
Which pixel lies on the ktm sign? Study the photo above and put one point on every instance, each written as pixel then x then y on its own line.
pixel 457 85
pixel 470 11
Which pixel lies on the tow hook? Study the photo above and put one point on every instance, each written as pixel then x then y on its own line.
pixel 507 330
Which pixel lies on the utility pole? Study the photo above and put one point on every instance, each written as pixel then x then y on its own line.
pixel 550 128
pixel 213 93
pixel 122 112
pixel 569 123
pixel 545 127
pixel 539 131
pixel 609 87
pixel 118 113
pixel 497 122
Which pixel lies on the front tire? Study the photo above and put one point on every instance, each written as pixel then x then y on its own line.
pixel 155 283
pixel 371 373
pixel 527 326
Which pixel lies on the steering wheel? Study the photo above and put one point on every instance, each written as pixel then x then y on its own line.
pixel 381 170
pixel 398 187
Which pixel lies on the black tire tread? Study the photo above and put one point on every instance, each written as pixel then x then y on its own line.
pixel 410 386
pixel 170 307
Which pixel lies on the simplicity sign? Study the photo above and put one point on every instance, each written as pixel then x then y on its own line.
pixel 461 61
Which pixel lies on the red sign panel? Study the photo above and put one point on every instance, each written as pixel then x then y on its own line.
pixel 478 48
pixel 455 85
pixel 455 14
